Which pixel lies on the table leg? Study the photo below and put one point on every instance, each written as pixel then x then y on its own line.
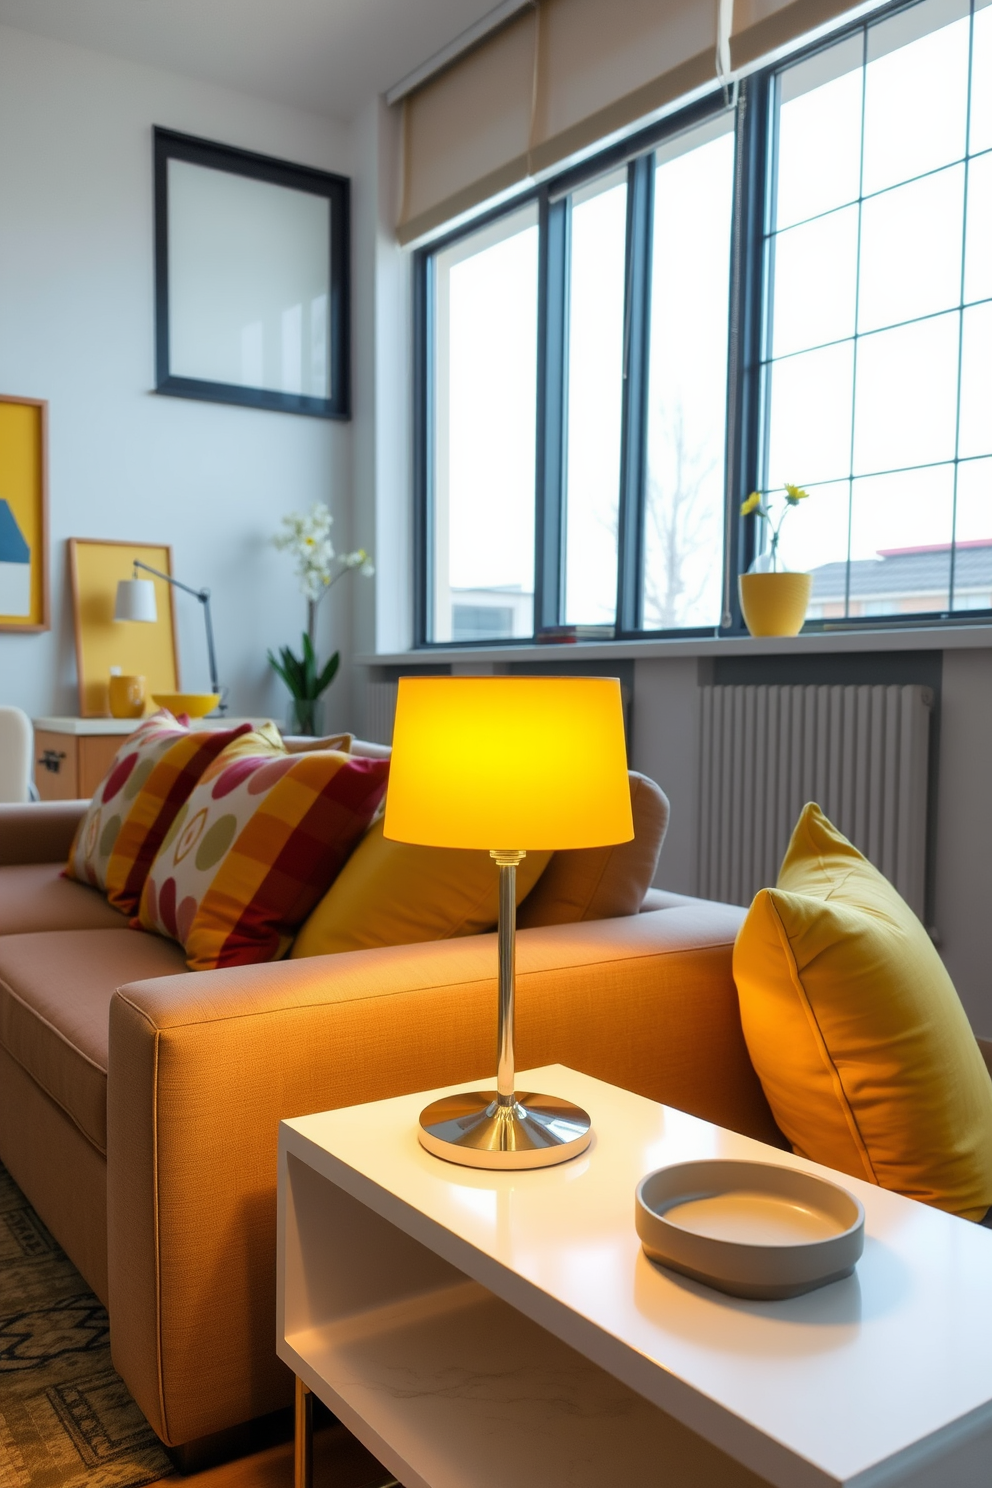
pixel 303 1441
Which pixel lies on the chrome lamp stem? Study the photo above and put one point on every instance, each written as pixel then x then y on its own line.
pixel 501 1128
pixel 507 952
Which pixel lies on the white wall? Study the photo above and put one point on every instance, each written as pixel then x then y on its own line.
pixel 76 328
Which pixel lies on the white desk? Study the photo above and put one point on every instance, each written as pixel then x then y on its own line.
pixel 477 1328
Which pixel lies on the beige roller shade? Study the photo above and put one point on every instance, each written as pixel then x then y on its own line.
pixel 564 75
pixel 466 132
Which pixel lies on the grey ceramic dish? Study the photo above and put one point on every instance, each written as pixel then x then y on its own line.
pixel 741 1267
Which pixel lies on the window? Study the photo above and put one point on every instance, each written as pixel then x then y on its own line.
pixel 687 379
pixel 879 317
pixel 485 359
pixel 597 232
pixel 798 289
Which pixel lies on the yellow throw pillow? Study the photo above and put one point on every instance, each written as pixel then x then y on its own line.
pixel 396 893
pixel 856 1032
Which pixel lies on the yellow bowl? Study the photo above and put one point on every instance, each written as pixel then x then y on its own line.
pixel 196 704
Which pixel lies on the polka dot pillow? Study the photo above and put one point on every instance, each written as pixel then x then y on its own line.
pixel 161 792
pixel 257 844
pixel 114 797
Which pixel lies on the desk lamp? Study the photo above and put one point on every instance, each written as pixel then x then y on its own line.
pixel 136 601
pixel 508 764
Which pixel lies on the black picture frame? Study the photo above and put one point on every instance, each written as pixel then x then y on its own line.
pixel 170 145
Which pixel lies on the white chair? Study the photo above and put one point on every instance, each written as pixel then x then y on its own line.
pixel 16 749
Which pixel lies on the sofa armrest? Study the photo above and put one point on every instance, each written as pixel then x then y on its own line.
pixel 38 831
pixel 203 1066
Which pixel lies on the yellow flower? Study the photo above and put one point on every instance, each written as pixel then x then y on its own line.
pixel 795 494
pixel 751 504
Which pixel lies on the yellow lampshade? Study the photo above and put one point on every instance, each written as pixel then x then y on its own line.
pixel 519 763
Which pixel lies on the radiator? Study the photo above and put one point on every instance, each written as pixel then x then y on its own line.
pixel 860 752
pixel 380 711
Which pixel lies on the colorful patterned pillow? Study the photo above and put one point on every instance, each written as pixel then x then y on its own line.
pixel 113 799
pixel 164 785
pixel 257 844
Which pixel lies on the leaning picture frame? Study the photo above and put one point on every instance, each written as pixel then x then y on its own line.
pixel 151 650
pixel 252 279
pixel 24 588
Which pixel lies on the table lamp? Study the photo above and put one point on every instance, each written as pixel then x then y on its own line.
pixel 508 764
pixel 136 601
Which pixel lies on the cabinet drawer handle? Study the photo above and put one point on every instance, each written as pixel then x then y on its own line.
pixel 51 760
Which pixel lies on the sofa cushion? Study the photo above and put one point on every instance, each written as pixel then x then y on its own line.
pixel 256 846
pixel 114 796
pixel 35 896
pixel 857 1034
pixel 55 992
pixel 602 883
pixel 161 789
pixel 397 893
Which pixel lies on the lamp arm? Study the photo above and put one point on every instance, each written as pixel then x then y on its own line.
pixel 203 595
pixel 204 598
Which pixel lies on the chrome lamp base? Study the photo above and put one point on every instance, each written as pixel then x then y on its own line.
pixel 480 1129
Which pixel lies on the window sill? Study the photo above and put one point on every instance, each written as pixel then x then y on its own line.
pixel 922 638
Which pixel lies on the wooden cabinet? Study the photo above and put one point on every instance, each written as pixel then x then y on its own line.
pixel 70 766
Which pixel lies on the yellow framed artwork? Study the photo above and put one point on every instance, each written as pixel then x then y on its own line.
pixel 147 650
pixel 23 514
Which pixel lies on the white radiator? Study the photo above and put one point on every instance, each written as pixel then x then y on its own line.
pixel 380 711
pixel 860 752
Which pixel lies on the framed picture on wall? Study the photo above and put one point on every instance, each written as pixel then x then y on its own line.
pixel 251 279
pixel 23 514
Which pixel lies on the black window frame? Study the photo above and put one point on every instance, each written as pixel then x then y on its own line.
pixel 750 290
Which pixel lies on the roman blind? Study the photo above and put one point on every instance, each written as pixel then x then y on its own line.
pixel 562 75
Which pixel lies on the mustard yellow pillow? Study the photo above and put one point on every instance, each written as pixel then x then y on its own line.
pixel 856 1032
pixel 396 893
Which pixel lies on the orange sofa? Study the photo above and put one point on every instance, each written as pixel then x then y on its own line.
pixel 139 1102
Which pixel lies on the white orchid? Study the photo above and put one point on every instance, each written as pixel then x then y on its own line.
pixel 307 536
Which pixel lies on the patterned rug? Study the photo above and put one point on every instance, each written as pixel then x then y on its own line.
pixel 66 1418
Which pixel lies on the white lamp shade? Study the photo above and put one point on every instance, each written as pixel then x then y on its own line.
pixel 136 601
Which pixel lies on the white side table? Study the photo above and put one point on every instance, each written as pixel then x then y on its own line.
pixel 504 1330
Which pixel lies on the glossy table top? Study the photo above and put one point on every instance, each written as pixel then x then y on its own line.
pixel 874 1379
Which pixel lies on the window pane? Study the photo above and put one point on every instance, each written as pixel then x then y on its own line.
pixel 975 434
pixel 911 250
pixel 810 437
pixel 900 542
pixel 906 396
pixel 814 540
pixel 595 400
pixel 916 90
pixel 815 278
pixel 687 389
pixel 485 393
pixel 978 260
pixel 981 80
pixel 819 143
pixel 973 534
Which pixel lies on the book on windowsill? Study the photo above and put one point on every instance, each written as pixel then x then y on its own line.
pixel 569 635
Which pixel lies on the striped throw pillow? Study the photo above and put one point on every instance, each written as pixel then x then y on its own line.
pixel 257 844
pixel 114 797
pixel 165 785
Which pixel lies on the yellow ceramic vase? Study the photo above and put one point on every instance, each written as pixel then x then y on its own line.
pixel 774 604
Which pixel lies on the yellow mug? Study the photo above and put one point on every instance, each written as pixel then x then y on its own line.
pixel 127 697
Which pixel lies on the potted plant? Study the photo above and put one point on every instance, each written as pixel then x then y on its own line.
pixel 307 535
pixel 773 600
